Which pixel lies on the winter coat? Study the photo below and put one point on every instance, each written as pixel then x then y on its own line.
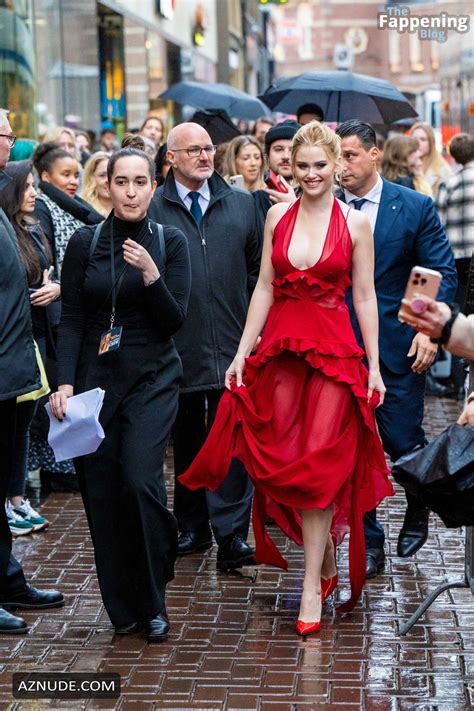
pixel 19 372
pixel 225 259
pixel 60 216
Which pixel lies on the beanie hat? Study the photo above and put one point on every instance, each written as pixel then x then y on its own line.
pixel 285 129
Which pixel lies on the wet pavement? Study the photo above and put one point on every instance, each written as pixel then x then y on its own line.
pixel 232 643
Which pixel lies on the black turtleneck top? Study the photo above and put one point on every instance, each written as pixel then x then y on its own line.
pixel 146 313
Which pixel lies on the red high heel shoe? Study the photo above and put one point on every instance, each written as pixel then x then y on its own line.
pixel 329 585
pixel 305 628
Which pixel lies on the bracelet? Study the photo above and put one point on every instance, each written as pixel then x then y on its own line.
pixel 446 332
pixel 470 398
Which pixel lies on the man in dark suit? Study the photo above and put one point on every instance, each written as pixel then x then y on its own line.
pixel 407 232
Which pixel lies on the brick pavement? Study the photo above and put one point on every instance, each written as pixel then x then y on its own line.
pixel 232 644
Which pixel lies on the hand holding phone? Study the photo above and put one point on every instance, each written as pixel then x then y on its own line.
pixel 272 181
pixel 237 181
pixel 422 282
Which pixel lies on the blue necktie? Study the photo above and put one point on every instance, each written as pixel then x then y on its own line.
pixel 357 204
pixel 195 210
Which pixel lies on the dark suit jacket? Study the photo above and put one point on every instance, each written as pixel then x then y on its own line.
pixel 408 233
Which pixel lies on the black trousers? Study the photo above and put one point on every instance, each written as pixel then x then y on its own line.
pixel 399 420
pixel 122 484
pixel 228 508
pixel 11 573
pixel 24 416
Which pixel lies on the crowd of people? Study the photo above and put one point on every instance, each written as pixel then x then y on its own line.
pixel 252 290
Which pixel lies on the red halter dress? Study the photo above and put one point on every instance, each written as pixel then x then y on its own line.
pixel 302 425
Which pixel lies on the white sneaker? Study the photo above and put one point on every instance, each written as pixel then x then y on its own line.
pixel 18 525
pixel 26 512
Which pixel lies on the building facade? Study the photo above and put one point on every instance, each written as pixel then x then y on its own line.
pixel 317 35
pixel 84 63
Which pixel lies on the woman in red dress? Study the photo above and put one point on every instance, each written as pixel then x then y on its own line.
pixel 299 411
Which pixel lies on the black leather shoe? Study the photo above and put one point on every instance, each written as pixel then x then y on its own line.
pixel 234 552
pixel 374 562
pixel 32 599
pixel 9 624
pixel 432 387
pixel 191 542
pixel 131 628
pixel 157 629
pixel 414 532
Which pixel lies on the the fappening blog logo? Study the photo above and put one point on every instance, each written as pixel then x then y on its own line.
pixel 428 27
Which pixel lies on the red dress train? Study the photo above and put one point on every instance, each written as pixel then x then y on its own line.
pixel 302 425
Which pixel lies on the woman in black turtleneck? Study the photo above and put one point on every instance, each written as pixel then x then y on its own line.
pixel 122 484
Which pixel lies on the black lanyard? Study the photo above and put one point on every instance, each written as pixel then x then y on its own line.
pixel 115 286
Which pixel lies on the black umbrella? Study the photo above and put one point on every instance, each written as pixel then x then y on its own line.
pixel 218 125
pixel 442 475
pixel 341 95
pixel 237 103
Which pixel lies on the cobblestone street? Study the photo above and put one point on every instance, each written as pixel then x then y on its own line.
pixel 232 643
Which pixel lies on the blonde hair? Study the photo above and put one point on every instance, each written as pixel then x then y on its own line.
pixel 233 149
pixel 55 134
pixel 89 187
pixel 433 161
pixel 314 134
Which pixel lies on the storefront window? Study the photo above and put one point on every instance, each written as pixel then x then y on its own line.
pixel 17 65
pixel 66 48
pixel 47 27
pixel 112 71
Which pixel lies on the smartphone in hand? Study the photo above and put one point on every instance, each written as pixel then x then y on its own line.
pixel 237 181
pixel 272 181
pixel 422 282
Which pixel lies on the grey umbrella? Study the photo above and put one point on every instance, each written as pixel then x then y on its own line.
pixel 235 102
pixel 341 95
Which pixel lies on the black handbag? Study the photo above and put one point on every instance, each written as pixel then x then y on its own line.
pixel 441 475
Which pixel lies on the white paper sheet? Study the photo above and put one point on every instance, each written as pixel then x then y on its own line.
pixel 80 432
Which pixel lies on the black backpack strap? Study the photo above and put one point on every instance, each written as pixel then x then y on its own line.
pixel 162 246
pixel 95 239
pixel 161 237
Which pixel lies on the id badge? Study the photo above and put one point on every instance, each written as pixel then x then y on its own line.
pixel 110 340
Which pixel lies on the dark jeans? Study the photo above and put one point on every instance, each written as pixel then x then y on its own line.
pixel 24 415
pixel 11 573
pixel 228 508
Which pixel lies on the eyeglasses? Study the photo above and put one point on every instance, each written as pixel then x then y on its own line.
pixel 195 151
pixel 10 138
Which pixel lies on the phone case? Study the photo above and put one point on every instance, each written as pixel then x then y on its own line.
pixel 422 281
pixel 271 181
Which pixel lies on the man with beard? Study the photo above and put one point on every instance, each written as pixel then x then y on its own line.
pixel 278 153
pixel 19 375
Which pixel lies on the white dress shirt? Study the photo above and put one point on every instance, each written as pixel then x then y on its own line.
pixel 204 195
pixel 371 207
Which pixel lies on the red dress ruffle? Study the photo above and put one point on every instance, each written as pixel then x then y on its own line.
pixel 302 425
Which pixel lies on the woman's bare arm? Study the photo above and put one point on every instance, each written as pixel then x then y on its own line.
pixel 261 301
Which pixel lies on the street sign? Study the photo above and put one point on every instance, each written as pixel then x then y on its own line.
pixel 343 56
